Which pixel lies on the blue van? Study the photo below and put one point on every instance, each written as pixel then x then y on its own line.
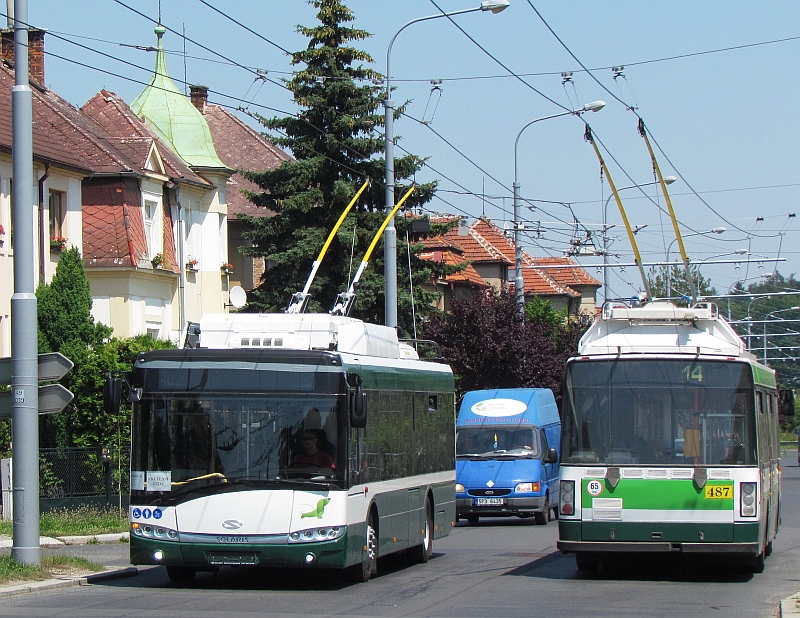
pixel 507 452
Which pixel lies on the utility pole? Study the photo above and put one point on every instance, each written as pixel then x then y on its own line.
pixel 24 352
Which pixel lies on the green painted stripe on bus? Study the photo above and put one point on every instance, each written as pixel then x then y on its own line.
pixel 764 376
pixel 660 494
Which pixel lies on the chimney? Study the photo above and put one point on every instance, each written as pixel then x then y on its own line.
pixel 199 95
pixel 35 51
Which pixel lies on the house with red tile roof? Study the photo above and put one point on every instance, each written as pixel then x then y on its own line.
pixel 491 255
pixel 138 189
pixel 62 158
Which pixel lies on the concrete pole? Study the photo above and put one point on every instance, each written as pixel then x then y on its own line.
pixel 24 352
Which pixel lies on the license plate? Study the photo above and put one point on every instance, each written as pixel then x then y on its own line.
pixel 488 502
pixel 718 492
pixel 232 558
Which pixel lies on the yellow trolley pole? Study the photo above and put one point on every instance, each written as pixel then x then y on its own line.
pixel 631 237
pixel 300 299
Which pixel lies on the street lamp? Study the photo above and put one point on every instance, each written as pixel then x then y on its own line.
pixel 667 180
pixel 764 356
pixel 713 230
pixel 390 235
pixel 519 283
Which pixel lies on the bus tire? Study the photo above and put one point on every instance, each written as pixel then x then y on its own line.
pixel 422 553
pixel 181 575
pixel 361 573
pixel 586 561
pixel 755 564
pixel 543 517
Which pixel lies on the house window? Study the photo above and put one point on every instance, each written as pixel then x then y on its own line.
pixel 150 209
pixel 57 212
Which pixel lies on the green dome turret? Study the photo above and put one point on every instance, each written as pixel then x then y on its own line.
pixel 166 110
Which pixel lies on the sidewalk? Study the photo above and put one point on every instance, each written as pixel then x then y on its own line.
pixel 68 580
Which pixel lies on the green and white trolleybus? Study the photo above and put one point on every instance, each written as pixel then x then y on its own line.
pixel 670 439
pixel 290 440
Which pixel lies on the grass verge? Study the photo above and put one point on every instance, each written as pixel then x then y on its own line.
pixel 80 521
pixel 52 566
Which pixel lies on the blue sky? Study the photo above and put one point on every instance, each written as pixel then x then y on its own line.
pixel 725 120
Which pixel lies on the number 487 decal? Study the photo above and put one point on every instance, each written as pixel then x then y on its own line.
pixel 718 492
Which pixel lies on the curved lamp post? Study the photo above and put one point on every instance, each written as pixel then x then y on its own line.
pixel 519 284
pixel 667 180
pixel 390 235
pixel 713 230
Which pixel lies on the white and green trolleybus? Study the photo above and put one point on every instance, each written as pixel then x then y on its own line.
pixel 289 440
pixel 670 439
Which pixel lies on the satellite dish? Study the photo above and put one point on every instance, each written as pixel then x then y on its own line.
pixel 238 296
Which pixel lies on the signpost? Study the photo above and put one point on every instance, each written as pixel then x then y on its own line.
pixel 52 398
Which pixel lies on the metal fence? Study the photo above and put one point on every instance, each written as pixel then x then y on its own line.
pixel 72 472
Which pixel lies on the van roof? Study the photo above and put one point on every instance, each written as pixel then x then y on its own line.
pixel 503 406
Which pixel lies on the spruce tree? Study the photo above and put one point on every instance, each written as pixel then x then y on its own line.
pixel 336 142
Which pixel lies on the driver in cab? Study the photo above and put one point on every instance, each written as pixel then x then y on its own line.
pixel 311 456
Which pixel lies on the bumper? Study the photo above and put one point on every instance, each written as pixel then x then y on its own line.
pixel 326 554
pixel 750 549
pixel 512 506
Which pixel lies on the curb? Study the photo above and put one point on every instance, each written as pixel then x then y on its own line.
pixel 66 582
pixel 48 541
pixel 790 606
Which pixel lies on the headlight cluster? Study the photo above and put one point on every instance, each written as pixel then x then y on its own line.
pixel 747 499
pixel 567 498
pixel 314 535
pixel 154 532
pixel 459 488
pixel 526 488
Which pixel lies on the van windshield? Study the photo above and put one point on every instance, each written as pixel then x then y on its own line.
pixel 488 442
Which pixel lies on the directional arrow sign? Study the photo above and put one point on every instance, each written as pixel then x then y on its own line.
pixel 52 398
pixel 52 366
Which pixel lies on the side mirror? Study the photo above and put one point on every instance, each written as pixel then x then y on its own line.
pixel 552 456
pixel 112 394
pixel 358 409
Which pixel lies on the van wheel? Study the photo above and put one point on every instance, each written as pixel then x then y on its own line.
pixel 543 517
pixel 422 553
pixel 361 573
pixel 181 575
pixel 473 519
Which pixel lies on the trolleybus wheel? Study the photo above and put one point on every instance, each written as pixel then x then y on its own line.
pixel 755 564
pixel 181 575
pixel 543 517
pixel 360 573
pixel 422 553
pixel 586 561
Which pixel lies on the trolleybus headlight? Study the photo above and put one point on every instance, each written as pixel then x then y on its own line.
pixel 567 498
pixel 747 500
pixel 459 488
pixel 313 535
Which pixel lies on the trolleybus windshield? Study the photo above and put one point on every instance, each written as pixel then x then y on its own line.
pixel 184 442
pixel 659 412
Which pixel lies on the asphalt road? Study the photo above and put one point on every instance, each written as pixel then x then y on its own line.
pixel 498 567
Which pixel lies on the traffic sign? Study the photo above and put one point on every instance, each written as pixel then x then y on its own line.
pixel 52 398
pixel 52 366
